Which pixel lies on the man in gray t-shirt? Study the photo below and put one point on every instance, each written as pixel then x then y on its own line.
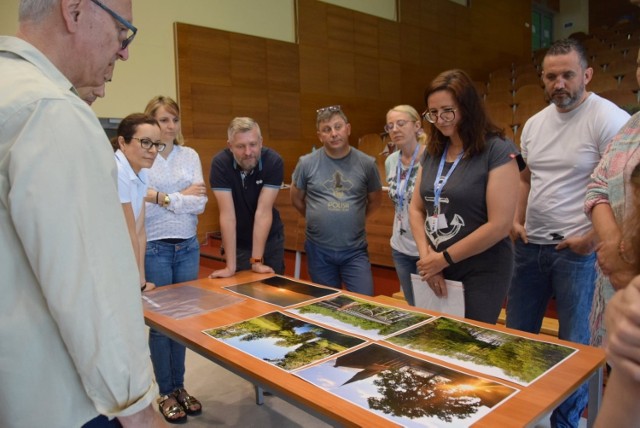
pixel 336 188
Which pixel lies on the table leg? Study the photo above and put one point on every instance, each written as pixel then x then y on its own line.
pixel 259 395
pixel 595 396
pixel 296 271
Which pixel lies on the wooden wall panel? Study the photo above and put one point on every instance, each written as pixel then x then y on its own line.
pixel 366 35
pixel 314 69
pixel 340 29
pixel 342 73
pixel 389 41
pixel 410 45
pixel 283 63
pixel 284 115
pixel 364 63
pixel 367 70
pixel 312 23
pixel 390 73
pixel 248 61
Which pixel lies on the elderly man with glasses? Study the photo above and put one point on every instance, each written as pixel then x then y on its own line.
pixel 71 326
pixel 336 188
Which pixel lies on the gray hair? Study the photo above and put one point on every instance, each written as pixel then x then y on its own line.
pixel 242 124
pixel 35 10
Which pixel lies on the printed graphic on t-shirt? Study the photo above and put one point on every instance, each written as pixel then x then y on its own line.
pixel 338 185
pixel 440 227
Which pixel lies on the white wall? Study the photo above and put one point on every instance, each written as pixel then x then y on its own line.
pixel 571 11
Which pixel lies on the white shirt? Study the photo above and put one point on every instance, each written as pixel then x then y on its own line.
pixel 179 219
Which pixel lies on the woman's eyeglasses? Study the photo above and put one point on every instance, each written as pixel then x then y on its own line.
pixel 397 124
pixel 146 144
pixel 447 115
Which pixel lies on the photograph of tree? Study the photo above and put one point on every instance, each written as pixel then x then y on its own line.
pixel 281 291
pixel 359 316
pixel 284 341
pixel 517 359
pixel 406 390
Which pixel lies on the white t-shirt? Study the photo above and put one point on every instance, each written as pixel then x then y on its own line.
pixel 561 151
pixel 401 238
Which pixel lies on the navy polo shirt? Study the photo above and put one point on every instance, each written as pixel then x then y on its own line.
pixel 226 175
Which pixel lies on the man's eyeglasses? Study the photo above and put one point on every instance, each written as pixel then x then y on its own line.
pixel 447 115
pixel 146 144
pixel 397 124
pixel 331 109
pixel 129 26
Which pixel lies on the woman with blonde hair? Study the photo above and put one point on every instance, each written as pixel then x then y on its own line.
pixel 401 167
pixel 176 196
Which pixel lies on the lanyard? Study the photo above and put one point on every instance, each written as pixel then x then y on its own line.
pixel 402 188
pixel 437 184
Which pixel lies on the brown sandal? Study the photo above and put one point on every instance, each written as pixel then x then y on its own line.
pixel 189 403
pixel 171 409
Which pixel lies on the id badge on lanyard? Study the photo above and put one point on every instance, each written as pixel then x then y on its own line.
pixel 437 220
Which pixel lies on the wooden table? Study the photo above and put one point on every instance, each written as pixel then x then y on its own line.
pixel 523 409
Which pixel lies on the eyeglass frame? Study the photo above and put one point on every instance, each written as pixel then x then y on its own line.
pixel 388 127
pixel 129 26
pixel 159 146
pixel 426 115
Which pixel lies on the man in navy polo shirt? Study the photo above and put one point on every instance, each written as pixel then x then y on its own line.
pixel 245 179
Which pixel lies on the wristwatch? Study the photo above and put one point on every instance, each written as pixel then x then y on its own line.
pixel 253 260
pixel 167 200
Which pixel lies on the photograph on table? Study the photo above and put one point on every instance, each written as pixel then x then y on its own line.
pixel 280 291
pixel 186 301
pixel 514 358
pixel 407 390
pixel 359 316
pixel 286 342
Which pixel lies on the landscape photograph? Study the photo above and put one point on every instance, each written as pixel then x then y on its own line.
pixel 281 291
pixel 359 316
pixel 514 358
pixel 406 390
pixel 286 342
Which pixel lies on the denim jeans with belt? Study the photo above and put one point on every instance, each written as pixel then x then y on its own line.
pixel 169 263
pixel 541 272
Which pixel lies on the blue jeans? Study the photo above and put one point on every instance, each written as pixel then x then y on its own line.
pixel 540 273
pixel 169 264
pixel 273 254
pixel 332 268
pixel 405 266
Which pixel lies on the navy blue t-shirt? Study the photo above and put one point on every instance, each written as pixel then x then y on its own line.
pixel 226 175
